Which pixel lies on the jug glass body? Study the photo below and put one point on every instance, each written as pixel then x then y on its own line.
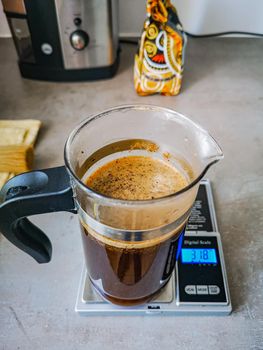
pixel 131 246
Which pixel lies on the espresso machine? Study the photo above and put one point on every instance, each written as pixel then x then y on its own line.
pixel 199 283
pixel 58 40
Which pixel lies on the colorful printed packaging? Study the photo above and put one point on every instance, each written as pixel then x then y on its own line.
pixel 159 62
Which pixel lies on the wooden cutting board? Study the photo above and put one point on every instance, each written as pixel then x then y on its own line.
pixel 17 139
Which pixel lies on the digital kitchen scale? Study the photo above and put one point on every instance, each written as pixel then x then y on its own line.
pixel 198 285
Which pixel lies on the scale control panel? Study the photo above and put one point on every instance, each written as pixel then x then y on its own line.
pixel 200 274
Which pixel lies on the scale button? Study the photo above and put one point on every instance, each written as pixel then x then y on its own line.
pixel 190 289
pixel 214 290
pixel 202 289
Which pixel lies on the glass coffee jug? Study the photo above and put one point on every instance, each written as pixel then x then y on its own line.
pixel 130 246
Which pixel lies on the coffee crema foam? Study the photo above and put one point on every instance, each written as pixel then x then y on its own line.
pixel 136 178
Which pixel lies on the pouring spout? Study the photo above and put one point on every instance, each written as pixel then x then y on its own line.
pixel 206 151
pixel 214 158
pixel 211 152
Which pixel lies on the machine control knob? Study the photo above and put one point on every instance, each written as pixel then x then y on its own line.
pixel 79 39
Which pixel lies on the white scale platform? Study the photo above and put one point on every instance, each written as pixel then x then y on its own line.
pixel 193 289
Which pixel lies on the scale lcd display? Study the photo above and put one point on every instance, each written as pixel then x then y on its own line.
pixel 198 256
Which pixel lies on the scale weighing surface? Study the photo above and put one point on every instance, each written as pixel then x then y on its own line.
pixel 198 285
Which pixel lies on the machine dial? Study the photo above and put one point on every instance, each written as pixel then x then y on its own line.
pixel 79 39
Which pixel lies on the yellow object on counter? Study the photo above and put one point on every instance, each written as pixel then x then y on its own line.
pixel 17 138
pixel 16 158
pixel 159 63
pixel 19 131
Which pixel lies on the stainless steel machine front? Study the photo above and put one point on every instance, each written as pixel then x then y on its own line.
pixel 88 32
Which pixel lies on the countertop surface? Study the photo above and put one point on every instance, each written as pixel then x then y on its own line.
pixel 223 91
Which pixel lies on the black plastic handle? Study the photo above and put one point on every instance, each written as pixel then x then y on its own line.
pixel 35 192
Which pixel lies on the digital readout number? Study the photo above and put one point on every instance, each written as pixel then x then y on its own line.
pixel 198 256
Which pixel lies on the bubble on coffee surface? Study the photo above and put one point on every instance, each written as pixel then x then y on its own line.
pixel 137 178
